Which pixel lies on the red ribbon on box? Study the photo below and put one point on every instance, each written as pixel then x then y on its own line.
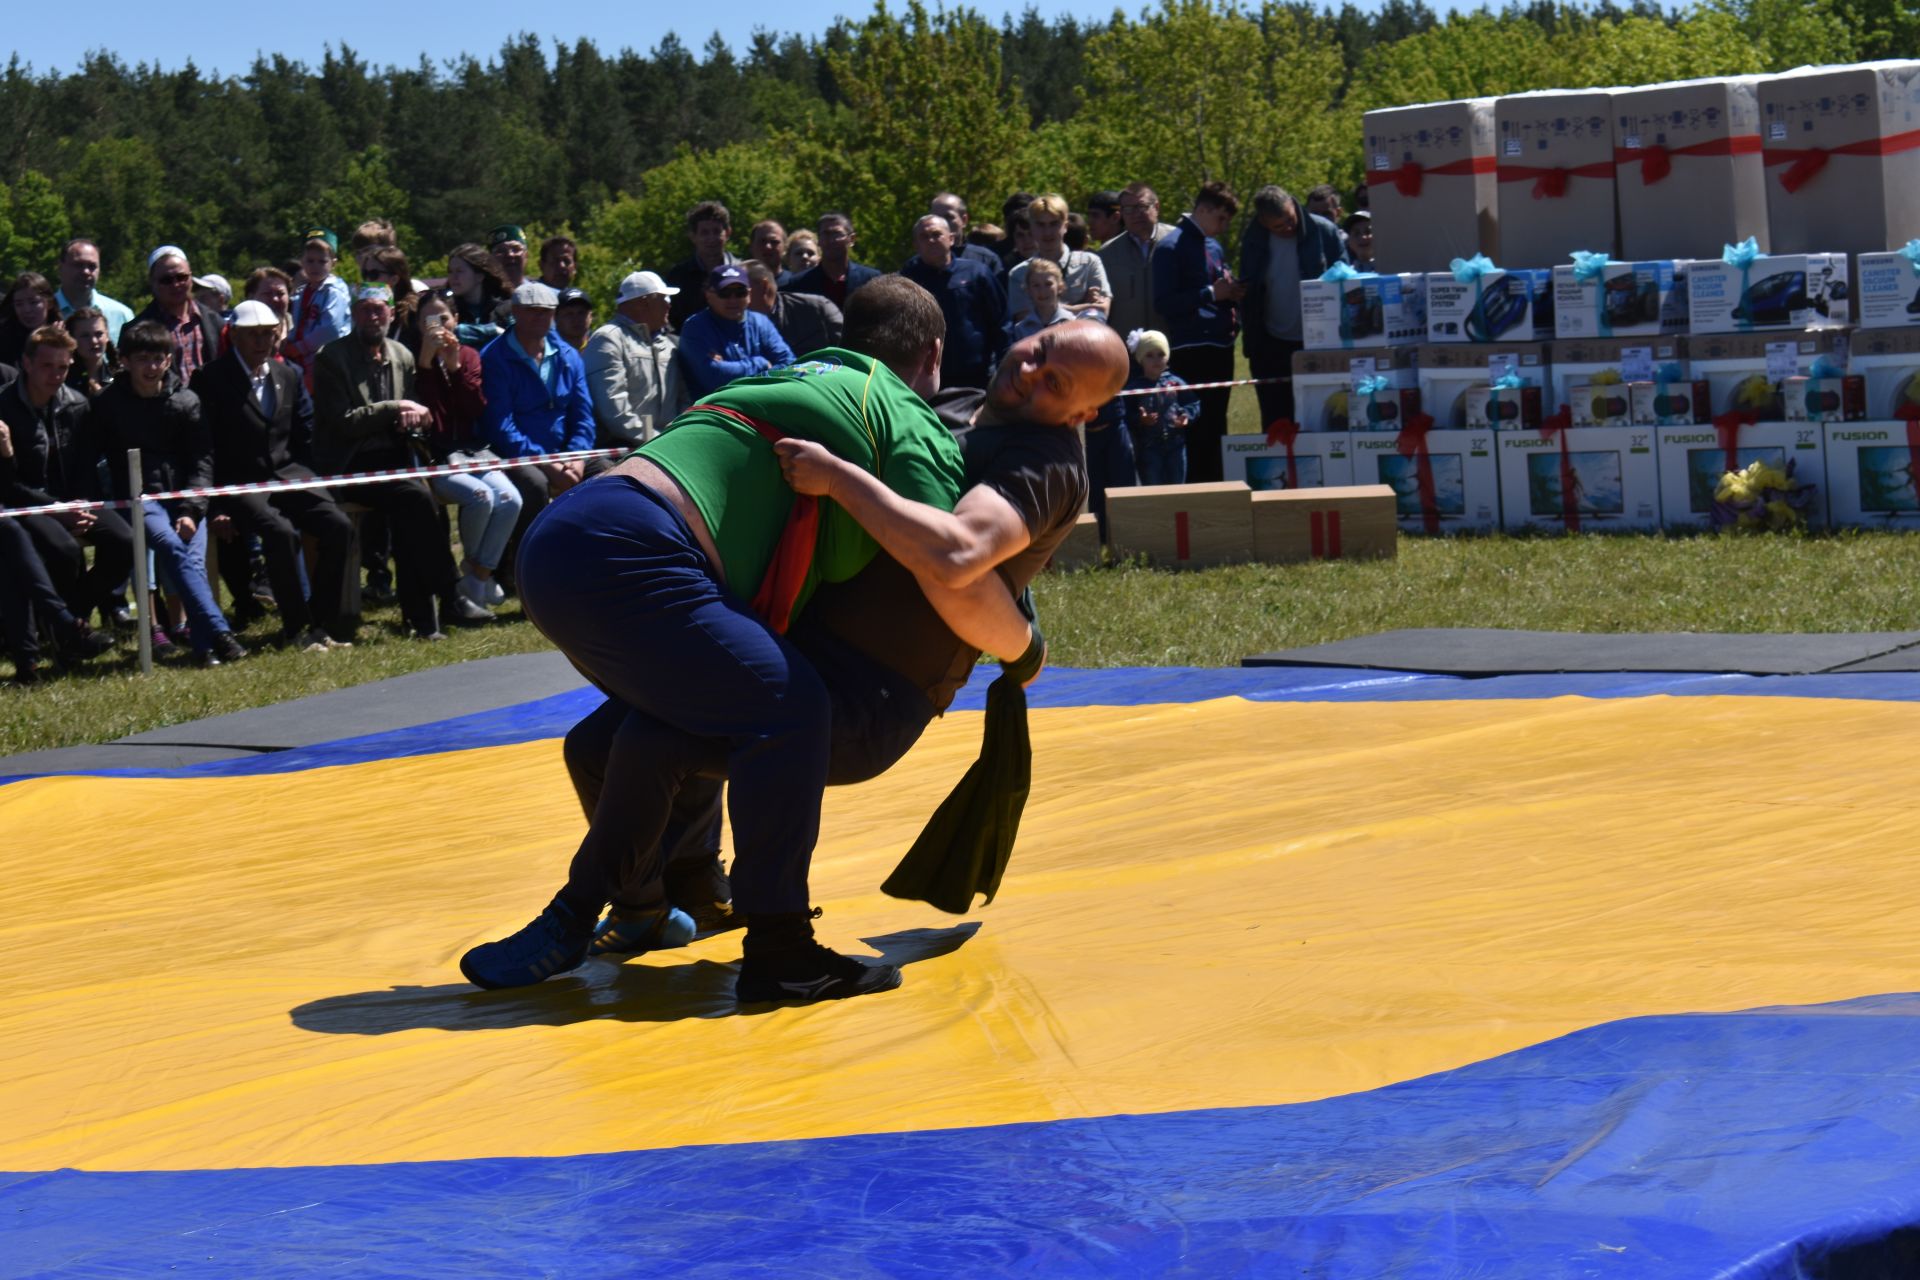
pixel 1558 425
pixel 1728 425
pixel 1656 162
pixel 1284 431
pixel 1410 177
pixel 1412 443
pixel 1551 184
pixel 1805 163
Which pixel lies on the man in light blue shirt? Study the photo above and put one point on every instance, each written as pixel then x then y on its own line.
pixel 79 267
pixel 728 341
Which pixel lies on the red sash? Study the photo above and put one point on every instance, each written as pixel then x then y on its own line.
pixel 793 552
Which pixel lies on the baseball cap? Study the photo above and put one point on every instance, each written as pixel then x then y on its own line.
pixel 570 295
pixel 254 315
pixel 643 284
pixel 722 276
pixel 371 292
pixel 217 283
pixel 504 232
pixel 324 236
pixel 166 251
pixel 535 294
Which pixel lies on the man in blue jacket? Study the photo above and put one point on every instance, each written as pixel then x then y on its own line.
pixel 970 298
pixel 1196 295
pixel 727 340
pixel 1283 245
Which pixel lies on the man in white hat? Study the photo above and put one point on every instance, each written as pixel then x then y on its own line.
pixel 632 367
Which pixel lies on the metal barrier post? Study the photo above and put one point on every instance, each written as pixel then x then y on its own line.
pixel 142 623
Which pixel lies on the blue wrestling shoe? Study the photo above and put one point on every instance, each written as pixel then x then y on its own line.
pixel 628 931
pixel 555 942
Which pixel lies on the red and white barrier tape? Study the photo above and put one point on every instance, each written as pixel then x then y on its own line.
pixel 1202 386
pixel 319 482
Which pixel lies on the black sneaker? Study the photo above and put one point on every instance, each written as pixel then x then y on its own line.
pixel 228 647
pixel 699 887
pixel 804 972
pixel 78 642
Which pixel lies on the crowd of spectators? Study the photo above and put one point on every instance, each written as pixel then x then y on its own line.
pixel 303 375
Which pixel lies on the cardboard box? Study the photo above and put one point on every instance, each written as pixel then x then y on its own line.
pixel 1607 405
pixel 1614 472
pixel 1886 292
pixel 1781 291
pixel 1627 300
pixel 1315 460
pixel 1888 362
pixel 1873 474
pixel 1449 370
pixel 1430 183
pixel 1690 177
pixel 1366 311
pixel 1556 175
pixel 1490 407
pixel 1182 526
pixel 1842 399
pixel 1081 547
pixel 1693 458
pixel 1502 306
pixel 1749 370
pixel 1668 404
pixel 1351 523
pixel 1821 128
pixel 1323 381
pixel 1464 478
pixel 1600 362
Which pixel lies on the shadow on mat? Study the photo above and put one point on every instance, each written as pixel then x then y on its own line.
pixel 640 990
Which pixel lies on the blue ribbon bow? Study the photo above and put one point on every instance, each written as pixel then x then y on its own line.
pixel 1509 382
pixel 1367 386
pixel 1824 367
pixel 1911 252
pixel 1471 269
pixel 1590 268
pixel 1345 271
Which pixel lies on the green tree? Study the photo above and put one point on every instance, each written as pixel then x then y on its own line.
pixel 116 191
pixel 753 179
pixel 365 190
pixel 36 225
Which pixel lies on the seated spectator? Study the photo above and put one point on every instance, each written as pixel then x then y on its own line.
pixel 320 313
pixel 1085 275
pixel 78 269
pixel 367 417
pixel 95 360
pixel 28 305
pixel 727 341
pixel 389 266
pixel 633 370
pixel 966 244
pixel 1157 423
pixel 274 288
pixel 1359 231
pixel 559 262
pixel 969 297
pixel 508 245
pixel 449 382
pixel 573 319
pixel 260 421
pixel 709 226
pixel 837 276
pixel 214 293
pixel 147 411
pixel 803 252
pixel 1045 287
pixel 805 321
pixel 194 329
pixel 479 292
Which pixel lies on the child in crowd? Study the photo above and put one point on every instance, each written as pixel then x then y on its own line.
pixel 1045 285
pixel 1157 423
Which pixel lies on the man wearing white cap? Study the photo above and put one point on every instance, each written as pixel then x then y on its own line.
pixel 633 372
pixel 194 328
pixel 261 419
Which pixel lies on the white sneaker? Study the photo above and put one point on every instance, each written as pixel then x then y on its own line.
pixel 496 594
pixel 472 590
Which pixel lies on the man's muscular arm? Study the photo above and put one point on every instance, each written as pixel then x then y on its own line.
pixel 983 614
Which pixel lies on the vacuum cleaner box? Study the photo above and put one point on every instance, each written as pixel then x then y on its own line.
pixel 1888 362
pixel 1840 175
pixel 1556 175
pixel 1749 371
pixel 1627 300
pixel 1601 362
pixel 1693 457
pixel 1888 289
pixel 1690 175
pixel 1449 370
pixel 1430 183
pixel 1580 479
pixel 1502 306
pixel 1365 311
pixel 1871 469
pixel 1779 291
pixel 1324 380
pixel 1312 460
pixel 1443 481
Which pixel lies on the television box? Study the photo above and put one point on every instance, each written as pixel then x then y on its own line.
pixel 1316 459
pixel 1750 370
pixel 1690 177
pixel 1366 311
pixel 1449 370
pixel 1669 404
pixel 1821 127
pixel 1430 183
pixel 1502 306
pixel 1604 361
pixel 1081 547
pixel 1614 475
pixel 1323 381
pixel 1886 292
pixel 1350 523
pixel 1607 405
pixel 1465 479
pixel 1182 526
pixel 1693 458
pixel 1842 399
pixel 1871 474
pixel 1888 362
pixel 1554 150
pixel 1488 407
pixel 1627 300
pixel 1779 291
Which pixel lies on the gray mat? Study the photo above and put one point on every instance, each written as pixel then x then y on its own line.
pixel 1486 652
pixel 384 705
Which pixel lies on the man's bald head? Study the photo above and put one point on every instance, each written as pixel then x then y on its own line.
pixel 1059 376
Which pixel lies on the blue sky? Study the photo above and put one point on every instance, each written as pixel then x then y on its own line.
pixel 224 36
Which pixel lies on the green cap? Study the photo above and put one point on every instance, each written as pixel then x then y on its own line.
pixel 504 232
pixel 325 237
